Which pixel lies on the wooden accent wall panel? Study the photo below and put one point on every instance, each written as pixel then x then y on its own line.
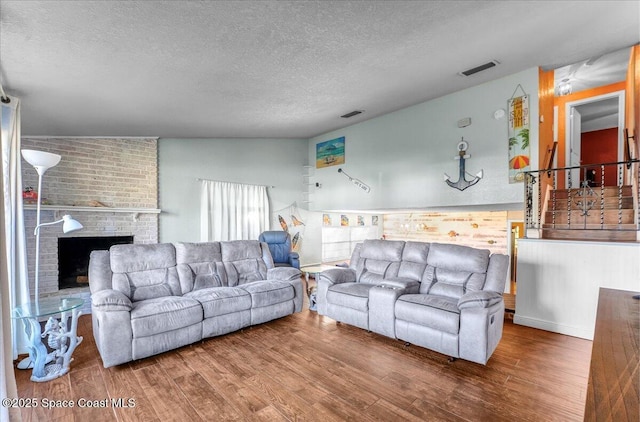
pixel 484 230
pixel 614 378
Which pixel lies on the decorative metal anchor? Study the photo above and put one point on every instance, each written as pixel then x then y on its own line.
pixel 462 182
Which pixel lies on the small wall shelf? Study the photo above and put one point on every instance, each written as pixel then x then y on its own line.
pixel 74 208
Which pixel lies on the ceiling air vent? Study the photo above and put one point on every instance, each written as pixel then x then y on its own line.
pixel 480 68
pixel 353 113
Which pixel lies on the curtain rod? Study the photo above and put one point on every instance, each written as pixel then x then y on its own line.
pixel 226 181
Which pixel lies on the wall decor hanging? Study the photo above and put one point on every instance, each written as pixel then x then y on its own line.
pixel 462 183
pixel 519 155
pixel 358 183
pixel 330 153
pixel 291 221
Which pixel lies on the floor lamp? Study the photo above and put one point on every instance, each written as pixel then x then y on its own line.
pixel 43 161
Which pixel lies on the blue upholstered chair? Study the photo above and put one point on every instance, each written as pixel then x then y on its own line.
pixel 279 243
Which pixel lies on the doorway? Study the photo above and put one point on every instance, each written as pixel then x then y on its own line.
pixel 594 134
pixel 516 231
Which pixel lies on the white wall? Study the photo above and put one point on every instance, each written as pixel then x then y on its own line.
pixel 276 162
pixel 559 282
pixel 403 155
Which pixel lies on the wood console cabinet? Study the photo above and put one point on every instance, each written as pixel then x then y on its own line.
pixel 613 393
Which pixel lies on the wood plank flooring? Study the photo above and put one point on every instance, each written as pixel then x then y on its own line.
pixel 308 367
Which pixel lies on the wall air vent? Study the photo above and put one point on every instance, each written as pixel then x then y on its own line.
pixel 353 113
pixel 480 68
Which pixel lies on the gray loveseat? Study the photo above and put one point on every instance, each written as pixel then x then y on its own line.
pixel 147 299
pixel 444 297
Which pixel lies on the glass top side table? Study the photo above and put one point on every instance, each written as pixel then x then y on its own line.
pixel 61 335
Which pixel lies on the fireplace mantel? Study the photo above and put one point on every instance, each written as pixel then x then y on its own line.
pixel 74 208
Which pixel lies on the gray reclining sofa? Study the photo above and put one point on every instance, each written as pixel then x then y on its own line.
pixel 444 297
pixel 150 298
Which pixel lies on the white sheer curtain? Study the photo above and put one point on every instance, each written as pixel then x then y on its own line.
pixel 232 211
pixel 14 282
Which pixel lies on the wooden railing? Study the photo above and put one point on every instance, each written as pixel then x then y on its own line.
pixel 594 197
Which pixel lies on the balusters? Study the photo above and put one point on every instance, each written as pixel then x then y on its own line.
pixel 539 224
pixel 620 181
pixel 528 199
pixel 569 199
pixel 554 183
pixel 585 197
pixel 601 196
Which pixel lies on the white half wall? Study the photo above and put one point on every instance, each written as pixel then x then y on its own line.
pixel 559 282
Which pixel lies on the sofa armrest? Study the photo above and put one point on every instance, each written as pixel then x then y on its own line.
pixel 111 321
pixel 338 275
pixel 110 300
pixel 327 279
pixel 479 299
pixel 283 273
pixel 294 259
pixel 407 285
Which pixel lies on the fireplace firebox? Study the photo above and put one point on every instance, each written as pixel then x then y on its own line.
pixel 73 257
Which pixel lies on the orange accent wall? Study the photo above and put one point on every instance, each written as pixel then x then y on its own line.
pixel 561 103
pixel 632 97
pixel 546 93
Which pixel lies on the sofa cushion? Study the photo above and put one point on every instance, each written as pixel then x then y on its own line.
pixel 350 295
pixel 189 253
pixel 445 282
pixel 414 260
pixel 142 271
pixel 382 250
pixel 268 292
pixel 379 259
pixel 198 265
pixel 243 261
pixel 139 257
pixel 452 270
pixel 162 314
pixel 437 312
pixel 218 301
pixel 244 271
pixel 148 284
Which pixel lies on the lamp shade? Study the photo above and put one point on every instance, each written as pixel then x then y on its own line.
pixel 69 224
pixel 40 160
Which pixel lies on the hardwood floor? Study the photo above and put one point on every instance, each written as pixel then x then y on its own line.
pixel 307 367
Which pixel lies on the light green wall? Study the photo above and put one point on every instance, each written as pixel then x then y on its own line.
pixel 271 162
pixel 403 155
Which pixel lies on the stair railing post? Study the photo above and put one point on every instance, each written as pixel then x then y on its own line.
pixel 601 197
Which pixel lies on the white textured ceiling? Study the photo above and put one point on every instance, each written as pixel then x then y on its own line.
pixel 275 68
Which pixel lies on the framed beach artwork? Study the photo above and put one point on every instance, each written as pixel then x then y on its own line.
pixel 330 153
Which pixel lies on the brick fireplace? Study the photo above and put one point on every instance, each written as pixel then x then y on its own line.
pixel 110 185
